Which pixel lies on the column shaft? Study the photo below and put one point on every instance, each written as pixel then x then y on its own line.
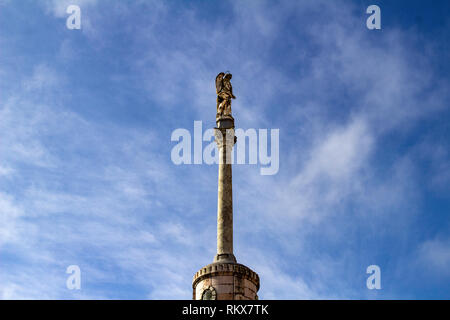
pixel 224 205
pixel 225 141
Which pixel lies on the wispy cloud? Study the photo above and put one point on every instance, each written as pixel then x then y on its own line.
pixel 85 151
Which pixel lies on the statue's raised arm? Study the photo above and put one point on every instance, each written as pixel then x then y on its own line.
pixel 224 92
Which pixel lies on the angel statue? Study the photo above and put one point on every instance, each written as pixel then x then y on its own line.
pixel 224 92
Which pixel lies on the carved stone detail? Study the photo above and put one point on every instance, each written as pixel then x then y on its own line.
pixel 232 281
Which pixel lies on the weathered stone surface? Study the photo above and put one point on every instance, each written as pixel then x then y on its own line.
pixel 227 279
pixel 231 281
pixel 222 280
pixel 225 140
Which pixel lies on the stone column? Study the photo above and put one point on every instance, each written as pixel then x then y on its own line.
pixel 225 140
pixel 225 279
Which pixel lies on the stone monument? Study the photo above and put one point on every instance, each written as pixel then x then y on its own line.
pixel 225 279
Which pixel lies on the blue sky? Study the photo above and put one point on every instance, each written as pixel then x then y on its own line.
pixel 86 118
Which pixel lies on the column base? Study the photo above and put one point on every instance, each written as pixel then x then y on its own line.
pixel 225 258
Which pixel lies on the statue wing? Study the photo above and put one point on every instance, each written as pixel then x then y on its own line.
pixel 219 82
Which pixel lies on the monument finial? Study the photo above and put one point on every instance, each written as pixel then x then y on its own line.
pixel 224 91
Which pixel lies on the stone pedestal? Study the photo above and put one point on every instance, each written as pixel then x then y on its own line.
pixel 225 281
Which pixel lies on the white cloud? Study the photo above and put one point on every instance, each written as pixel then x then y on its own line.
pixel 339 155
pixel 10 212
pixel 434 255
pixel 43 77
pixel 58 7
pixel 106 195
pixel 5 171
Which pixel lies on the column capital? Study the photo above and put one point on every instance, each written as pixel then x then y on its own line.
pixel 224 137
pixel 225 122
